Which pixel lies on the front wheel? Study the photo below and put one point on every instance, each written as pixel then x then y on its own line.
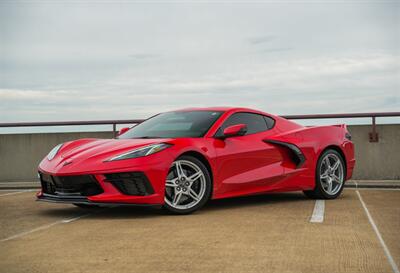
pixel 330 176
pixel 188 186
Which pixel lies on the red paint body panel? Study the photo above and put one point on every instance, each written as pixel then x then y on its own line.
pixel 239 165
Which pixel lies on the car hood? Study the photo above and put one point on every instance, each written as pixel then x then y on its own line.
pixel 89 148
pixel 93 152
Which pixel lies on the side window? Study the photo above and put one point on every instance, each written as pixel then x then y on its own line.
pixel 270 122
pixel 255 123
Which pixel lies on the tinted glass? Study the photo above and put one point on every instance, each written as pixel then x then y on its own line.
pixel 255 123
pixel 174 124
pixel 270 122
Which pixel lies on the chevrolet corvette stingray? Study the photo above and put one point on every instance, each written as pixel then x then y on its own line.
pixel 181 159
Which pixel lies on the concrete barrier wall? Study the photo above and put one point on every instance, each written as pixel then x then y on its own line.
pixel 20 154
pixel 377 160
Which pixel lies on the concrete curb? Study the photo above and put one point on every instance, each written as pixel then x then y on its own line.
pixel 385 184
pixel 19 185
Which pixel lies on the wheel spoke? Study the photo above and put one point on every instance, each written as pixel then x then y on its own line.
pixel 336 165
pixel 195 176
pixel 327 162
pixel 329 186
pixel 336 179
pixel 179 169
pixel 324 175
pixel 177 198
pixel 170 183
pixel 193 194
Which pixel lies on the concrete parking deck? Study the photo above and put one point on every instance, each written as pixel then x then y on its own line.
pixel 270 233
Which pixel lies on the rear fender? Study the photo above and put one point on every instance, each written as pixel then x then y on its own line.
pixel 303 147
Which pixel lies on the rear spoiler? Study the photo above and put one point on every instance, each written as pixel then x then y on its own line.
pixel 347 134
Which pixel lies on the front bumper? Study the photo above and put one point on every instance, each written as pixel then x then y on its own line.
pixel 84 200
pixel 136 186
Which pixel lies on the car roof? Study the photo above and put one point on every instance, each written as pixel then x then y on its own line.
pixel 229 110
pixel 288 124
pixel 221 108
pixel 214 108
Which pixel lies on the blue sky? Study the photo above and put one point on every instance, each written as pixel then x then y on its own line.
pixel 121 60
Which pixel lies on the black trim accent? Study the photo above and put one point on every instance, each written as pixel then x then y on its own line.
pixel 76 185
pixel 270 122
pixel 130 183
pixel 297 156
pixel 83 200
pixel 63 199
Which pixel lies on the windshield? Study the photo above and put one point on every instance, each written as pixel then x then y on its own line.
pixel 174 125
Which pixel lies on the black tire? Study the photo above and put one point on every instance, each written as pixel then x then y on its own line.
pixel 319 192
pixel 85 206
pixel 207 193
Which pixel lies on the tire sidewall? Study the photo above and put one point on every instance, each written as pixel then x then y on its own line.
pixel 207 193
pixel 318 173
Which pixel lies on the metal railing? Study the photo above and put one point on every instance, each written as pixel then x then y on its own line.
pixel 373 135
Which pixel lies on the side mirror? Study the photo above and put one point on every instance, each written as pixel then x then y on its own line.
pixel 235 130
pixel 122 131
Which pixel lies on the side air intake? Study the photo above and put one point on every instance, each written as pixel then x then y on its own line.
pixel 296 154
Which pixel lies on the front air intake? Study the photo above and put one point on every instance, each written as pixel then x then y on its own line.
pixel 82 185
pixel 132 183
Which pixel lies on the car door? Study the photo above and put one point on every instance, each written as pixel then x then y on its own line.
pixel 246 164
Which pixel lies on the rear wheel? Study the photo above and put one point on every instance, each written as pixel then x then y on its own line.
pixel 188 186
pixel 330 176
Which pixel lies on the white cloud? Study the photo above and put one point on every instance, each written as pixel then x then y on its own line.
pixel 63 62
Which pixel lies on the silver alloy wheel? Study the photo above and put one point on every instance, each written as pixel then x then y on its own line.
pixel 331 174
pixel 185 185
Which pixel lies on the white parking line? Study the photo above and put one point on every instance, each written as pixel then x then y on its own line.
pixel 378 234
pixel 14 192
pixel 318 213
pixel 65 221
pixel 75 218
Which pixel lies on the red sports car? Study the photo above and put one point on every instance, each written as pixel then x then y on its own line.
pixel 181 159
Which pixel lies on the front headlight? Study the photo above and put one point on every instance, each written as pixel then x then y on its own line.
pixel 53 152
pixel 143 151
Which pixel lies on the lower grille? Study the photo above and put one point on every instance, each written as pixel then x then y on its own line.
pixel 78 185
pixel 133 183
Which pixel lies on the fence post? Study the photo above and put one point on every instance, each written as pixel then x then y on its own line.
pixel 373 136
pixel 114 130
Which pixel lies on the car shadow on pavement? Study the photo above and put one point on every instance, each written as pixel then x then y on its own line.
pixel 255 200
pixel 131 212
pixel 65 211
